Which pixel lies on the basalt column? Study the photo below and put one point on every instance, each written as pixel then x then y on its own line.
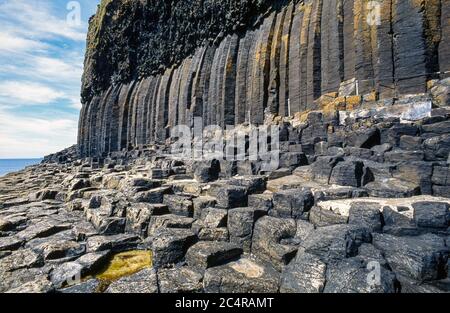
pixel 413 44
pixel 161 114
pixel 281 61
pixel 332 45
pixel 314 56
pixel 295 67
pixel 284 62
pixel 261 70
pixel 242 74
pixel 444 46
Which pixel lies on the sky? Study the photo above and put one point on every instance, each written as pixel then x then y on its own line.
pixel 42 45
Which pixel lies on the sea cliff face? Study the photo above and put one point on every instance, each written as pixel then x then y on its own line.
pixel 151 65
pixel 358 200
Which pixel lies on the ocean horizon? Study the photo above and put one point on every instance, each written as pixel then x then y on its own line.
pixel 13 165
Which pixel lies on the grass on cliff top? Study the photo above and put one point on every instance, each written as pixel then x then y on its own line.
pixel 96 24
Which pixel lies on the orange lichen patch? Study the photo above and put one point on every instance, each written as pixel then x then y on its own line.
pixel 353 102
pixel 302 117
pixel 431 83
pixel 371 97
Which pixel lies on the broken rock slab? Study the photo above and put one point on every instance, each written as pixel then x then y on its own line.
pixel 180 280
pixel 354 276
pixel 305 274
pixel 266 243
pixel 144 281
pixel 243 276
pixel 421 258
pixel 170 245
pixel 206 254
pixel 292 203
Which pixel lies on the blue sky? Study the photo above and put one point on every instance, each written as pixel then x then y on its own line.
pixel 42 45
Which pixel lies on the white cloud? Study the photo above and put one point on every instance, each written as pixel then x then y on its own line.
pixel 12 43
pixel 56 68
pixel 27 137
pixel 28 93
pixel 37 20
pixel 75 102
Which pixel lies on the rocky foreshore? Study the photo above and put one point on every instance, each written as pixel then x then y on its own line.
pixel 360 207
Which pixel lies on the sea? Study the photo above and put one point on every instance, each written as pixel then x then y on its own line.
pixel 14 165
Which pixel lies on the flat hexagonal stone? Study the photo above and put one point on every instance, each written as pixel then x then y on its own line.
pixel 10 243
pixel 144 281
pixel 180 280
pixel 242 276
pixel 170 245
pixel 205 254
pixel 23 258
pixel 116 243
pixel 89 286
pixel 305 274
pixel 40 285
pixel 432 214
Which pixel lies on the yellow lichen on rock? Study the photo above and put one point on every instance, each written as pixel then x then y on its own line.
pixel 125 264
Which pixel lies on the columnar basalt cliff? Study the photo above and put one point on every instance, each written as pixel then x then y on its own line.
pixel 154 64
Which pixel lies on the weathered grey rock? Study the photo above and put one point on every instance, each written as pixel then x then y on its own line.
pixel 115 243
pixel 57 249
pixel 180 280
pixel 437 148
pixel 23 258
pixel 253 184
pixel 418 173
pixel 291 203
pixel 205 254
pixel 268 233
pixel 179 205
pixel 261 202
pixel 348 173
pixel 441 176
pixel 170 245
pixel 432 214
pixel 354 276
pixel 144 281
pixel 201 203
pixel 12 223
pixel 86 287
pixel 91 262
pixel 336 242
pixel 40 285
pixel 243 276
pixel 392 188
pixel 241 222
pixel 322 168
pixel 305 274
pixel 42 229
pixel 66 274
pixel 214 218
pixel 139 215
pixel 304 229
pixel 366 214
pixel 398 224
pixel 421 258
pixel 409 285
pixel 206 171
pixel 321 217
pixel 168 221
pixel 213 234
pixel 151 196
pixel 363 138
pixel 10 243
pixel 228 196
